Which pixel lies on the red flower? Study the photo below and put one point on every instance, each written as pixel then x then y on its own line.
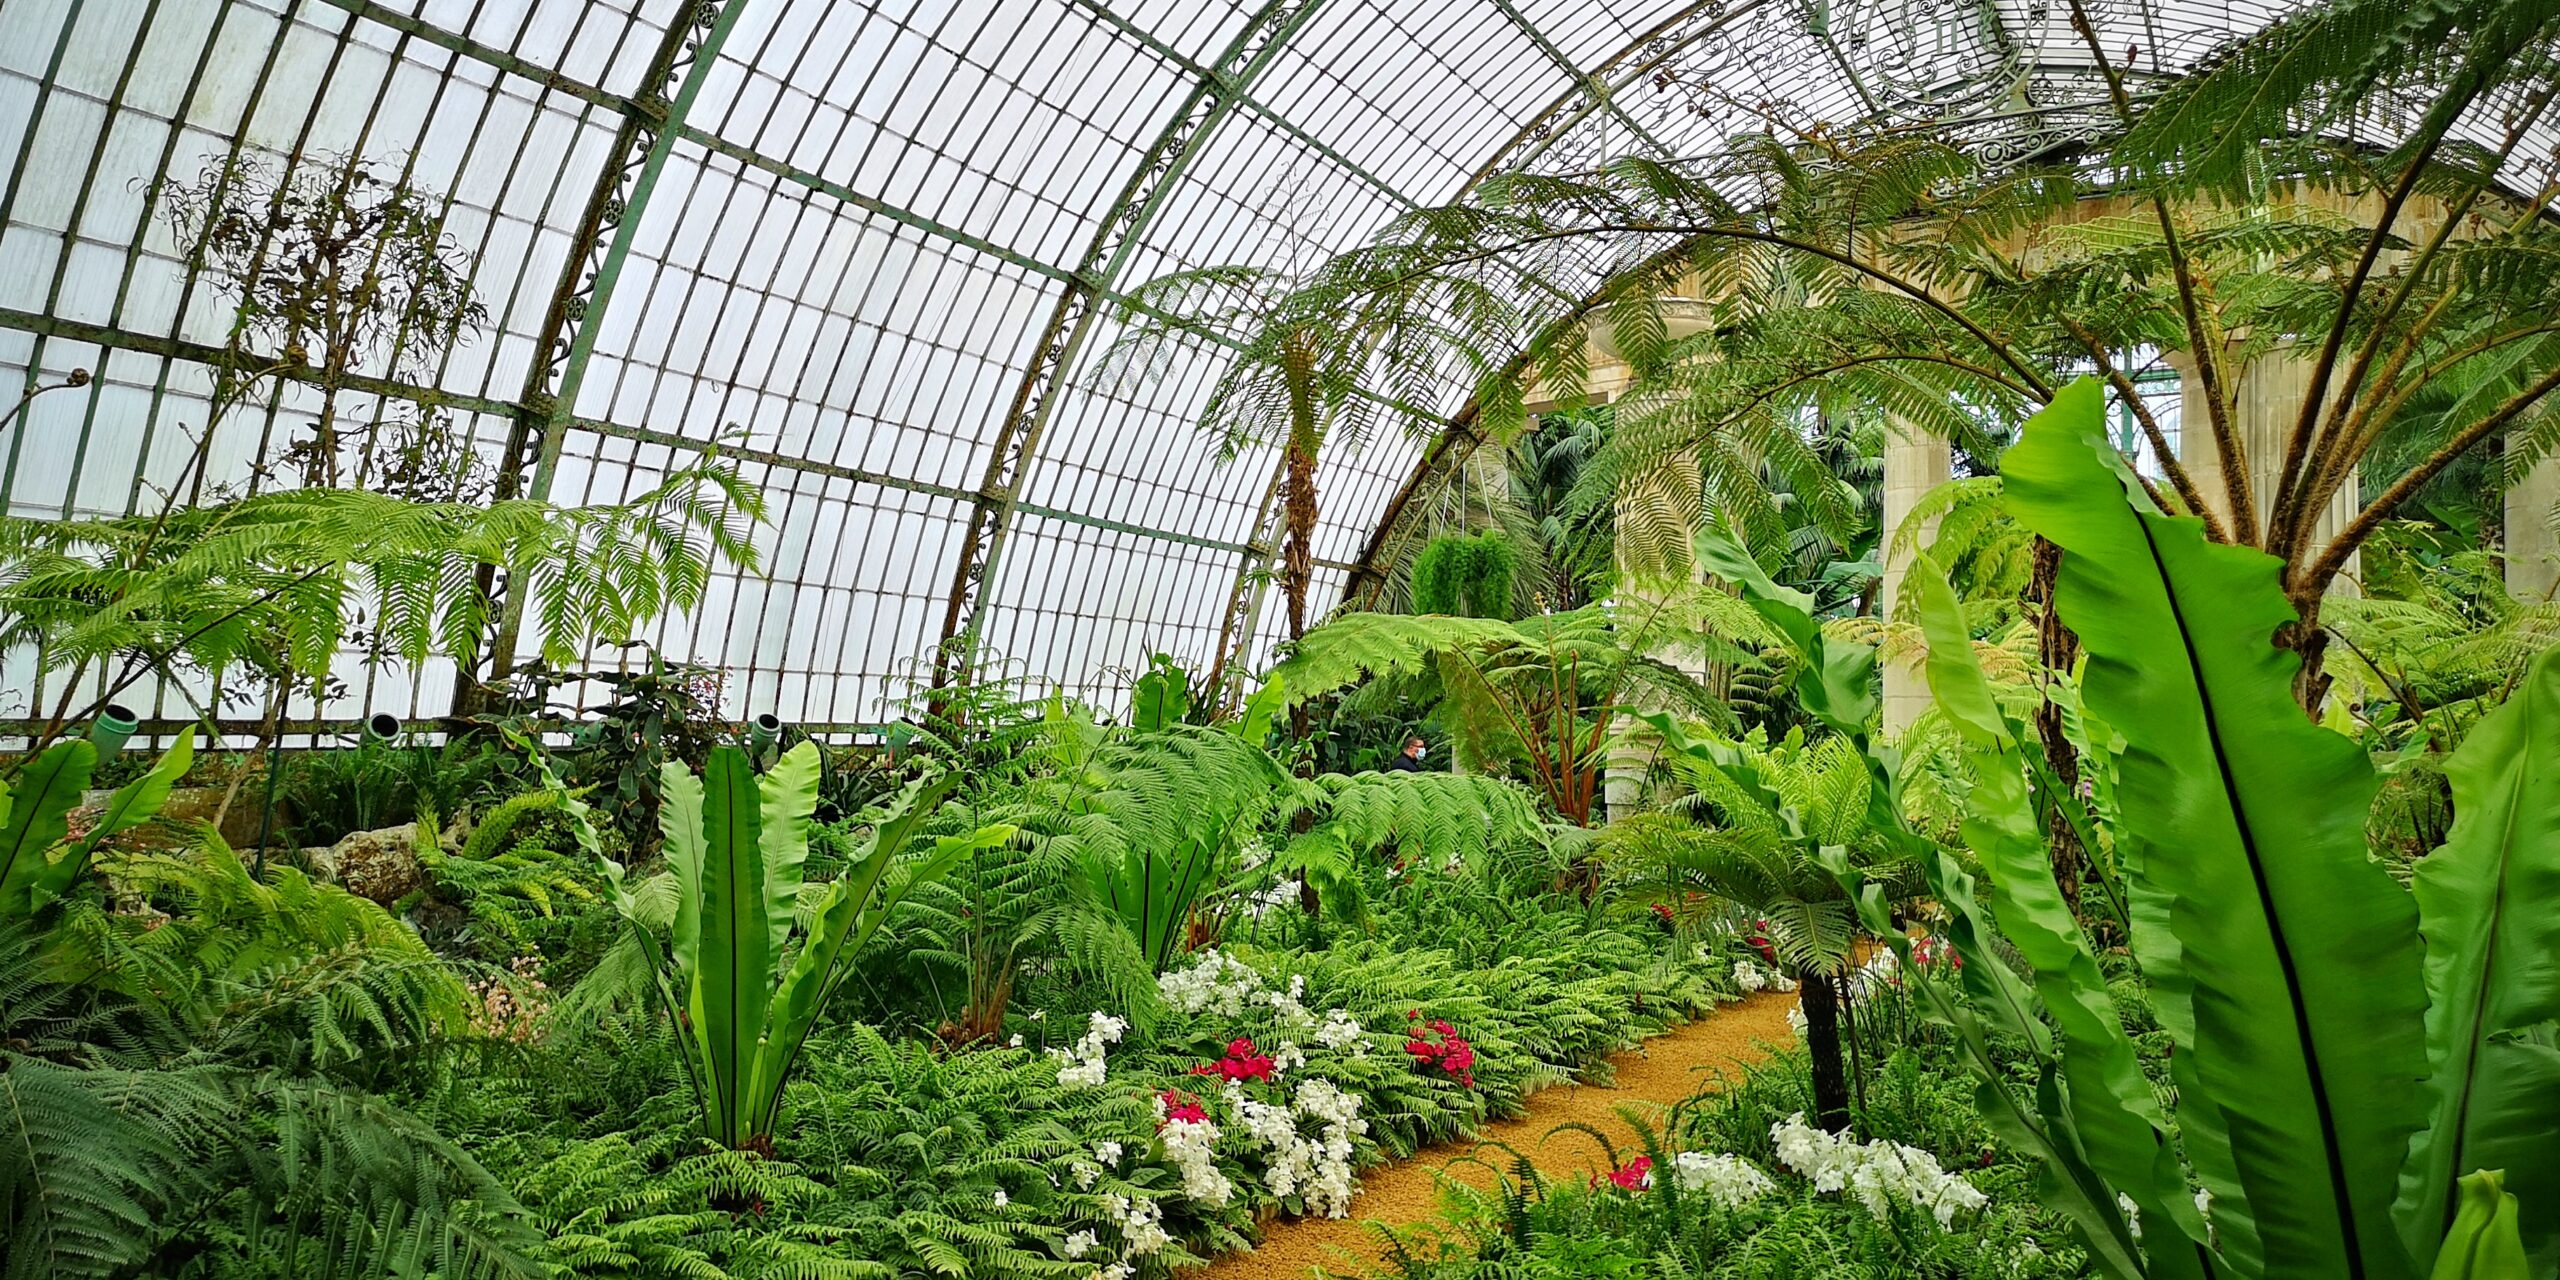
pixel 1182 1108
pixel 1663 909
pixel 1241 1063
pixel 1450 1053
pixel 1633 1176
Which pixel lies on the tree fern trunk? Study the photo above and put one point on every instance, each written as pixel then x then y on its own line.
pixel 1821 1003
pixel 2056 648
pixel 1297 552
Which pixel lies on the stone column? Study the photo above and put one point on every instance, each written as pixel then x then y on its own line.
pixel 2267 395
pixel 1914 463
pixel 2533 550
pixel 1634 745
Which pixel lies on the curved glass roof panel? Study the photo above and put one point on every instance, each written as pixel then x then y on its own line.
pixel 876 248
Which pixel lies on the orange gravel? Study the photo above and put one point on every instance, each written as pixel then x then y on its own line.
pixel 1661 1071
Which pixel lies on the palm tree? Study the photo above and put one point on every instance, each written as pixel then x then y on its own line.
pixel 1292 380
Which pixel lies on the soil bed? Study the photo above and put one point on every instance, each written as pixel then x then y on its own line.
pixel 1661 1071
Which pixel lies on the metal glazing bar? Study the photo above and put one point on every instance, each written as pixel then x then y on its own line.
pixel 1275 119
pixel 500 59
pixel 1122 228
pixel 1590 83
pixel 701 55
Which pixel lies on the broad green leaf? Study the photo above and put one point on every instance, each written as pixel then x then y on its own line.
pixel 1160 696
pixel 1836 681
pixel 2493 971
pixel 1254 724
pixel 38 817
pixel 853 908
pixel 788 796
pixel 2484 1242
pixel 733 980
pixel 2299 953
pixel 681 839
pixel 135 802
pixel 2113 1112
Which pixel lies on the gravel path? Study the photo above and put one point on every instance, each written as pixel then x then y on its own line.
pixel 1663 1070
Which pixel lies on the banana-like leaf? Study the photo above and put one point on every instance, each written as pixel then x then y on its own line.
pixel 732 978
pixel 2484 1242
pixel 1835 681
pixel 684 843
pixel 37 817
pixel 787 799
pixel 1254 723
pixel 853 908
pixel 2110 1106
pixel 2298 954
pixel 134 803
pixel 1160 696
pixel 2493 973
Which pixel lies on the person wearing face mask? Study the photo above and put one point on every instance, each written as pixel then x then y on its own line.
pixel 1410 759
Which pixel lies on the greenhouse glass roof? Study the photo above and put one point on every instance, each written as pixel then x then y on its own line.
pixel 881 242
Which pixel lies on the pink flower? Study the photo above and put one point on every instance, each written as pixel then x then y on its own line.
pixel 1637 1173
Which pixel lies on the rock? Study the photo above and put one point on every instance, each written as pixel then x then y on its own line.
pixel 320 862
pixel 199 804
pixel 380 865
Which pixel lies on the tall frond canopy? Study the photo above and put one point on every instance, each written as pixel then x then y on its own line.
pixel 885 252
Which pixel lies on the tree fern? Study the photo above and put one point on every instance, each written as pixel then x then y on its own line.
pixel 277 580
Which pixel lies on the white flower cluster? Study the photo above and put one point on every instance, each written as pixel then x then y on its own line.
pixel 1877 1172
pixel 1141 1224
pixel 1729 1181
pixel 1284 895
pixel 1080 1067
pixel 1190 1147
pixel 1751 976
pixel 1340 1032
pixel 1880 971
pixel 1286 1005
pixel 1795 1020
pixel 1294 1164
pixel 1219 983
pixel 1216 981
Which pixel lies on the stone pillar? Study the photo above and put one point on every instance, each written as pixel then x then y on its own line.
pixel 2533 550
pixel 1633 746
pixel 1914 463
pixel 2267 395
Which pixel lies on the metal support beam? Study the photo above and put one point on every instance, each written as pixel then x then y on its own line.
pixel 1655 47
pixel 687 63
pixel 1122 229
pixel 1591 84
pixel 650 127
pixel 196 352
